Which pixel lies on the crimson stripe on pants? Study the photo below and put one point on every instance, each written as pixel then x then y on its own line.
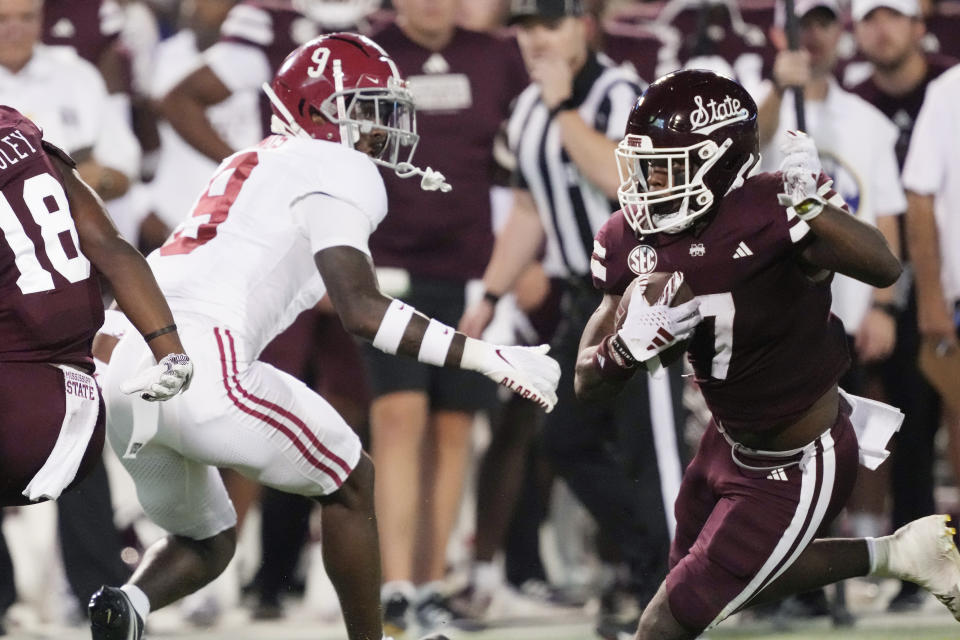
pixel 289 416
pixel 269 420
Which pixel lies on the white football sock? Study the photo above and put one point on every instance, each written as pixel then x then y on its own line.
pixel 138 599
pixel 402 587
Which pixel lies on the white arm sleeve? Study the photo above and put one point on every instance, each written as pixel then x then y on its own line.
pixel 239 66
pixel 330 222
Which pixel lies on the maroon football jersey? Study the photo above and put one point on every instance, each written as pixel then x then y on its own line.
pixel 274 27
pixel 462 94
pixel 50 302
pixel 89 27
pixel 690 39
pixel 768 346
pixel 640 47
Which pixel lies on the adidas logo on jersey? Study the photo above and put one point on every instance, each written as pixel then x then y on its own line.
pixel 742 251
pixel 777 474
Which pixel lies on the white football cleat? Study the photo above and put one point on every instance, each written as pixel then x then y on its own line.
pixel 923 552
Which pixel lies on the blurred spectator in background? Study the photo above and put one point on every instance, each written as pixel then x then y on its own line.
pixel 725 36
pixel 181 169
pixel 890 36
pixel 931 175
pixel 76 116
pixel 483 15
pixel 428 250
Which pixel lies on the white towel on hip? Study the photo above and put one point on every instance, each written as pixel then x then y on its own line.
pixel 875 423
pixel 79 422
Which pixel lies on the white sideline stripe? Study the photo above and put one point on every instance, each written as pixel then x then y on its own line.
pixel 794 530
pixel 669 466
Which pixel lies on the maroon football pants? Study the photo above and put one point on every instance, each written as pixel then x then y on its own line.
pixel 738 529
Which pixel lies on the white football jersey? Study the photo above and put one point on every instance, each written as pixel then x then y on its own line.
pixel 243 259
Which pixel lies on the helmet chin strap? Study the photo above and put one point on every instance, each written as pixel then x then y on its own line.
pixel 431 181
pixel 348 132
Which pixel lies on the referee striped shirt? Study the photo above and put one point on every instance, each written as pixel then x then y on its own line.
pixel 571 208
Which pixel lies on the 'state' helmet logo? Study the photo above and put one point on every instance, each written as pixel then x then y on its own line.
pixel 710 117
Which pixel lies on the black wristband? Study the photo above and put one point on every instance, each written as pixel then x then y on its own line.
pixel 492 298
pixel 620 352
pixel 610 364
pixel 159 332
pixel 566 105
pixel 888 308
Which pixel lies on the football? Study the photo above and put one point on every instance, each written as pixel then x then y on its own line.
pixel 656 282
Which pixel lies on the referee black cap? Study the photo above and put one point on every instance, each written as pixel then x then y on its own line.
pixel 549 9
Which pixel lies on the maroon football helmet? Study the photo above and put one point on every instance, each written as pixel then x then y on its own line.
pixel 698 130
pixel 352 82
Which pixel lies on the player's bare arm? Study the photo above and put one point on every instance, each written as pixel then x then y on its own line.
pixel 132 281
pixel 843 243
pixel 185 107
pixel 589 382
pixel 846 245
pixel 397 328
pixel 933 313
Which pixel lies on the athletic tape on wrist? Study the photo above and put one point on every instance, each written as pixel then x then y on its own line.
pixel 436 343
pixel 391 329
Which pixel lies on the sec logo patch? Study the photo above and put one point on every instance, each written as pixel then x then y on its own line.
pixel 643 259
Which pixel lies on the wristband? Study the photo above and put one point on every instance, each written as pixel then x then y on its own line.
pixel 810 208
pixel 888 308
pixel 392 327
pixel 566 105
pixel 610 361
pixel 159 332
pixel 436 343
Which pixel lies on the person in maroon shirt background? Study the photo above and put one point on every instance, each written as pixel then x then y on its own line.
pixel 780 456
pixel 890 35
pixel 433 244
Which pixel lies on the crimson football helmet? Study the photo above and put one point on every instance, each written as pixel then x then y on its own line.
pixel 355 86
pixel 697 131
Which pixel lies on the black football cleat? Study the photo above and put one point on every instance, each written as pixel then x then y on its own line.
pixel 112 616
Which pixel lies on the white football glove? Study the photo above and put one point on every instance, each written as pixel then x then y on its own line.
pixel 527 371
pixel 649 329
pixel 162 381
pixel 800 168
